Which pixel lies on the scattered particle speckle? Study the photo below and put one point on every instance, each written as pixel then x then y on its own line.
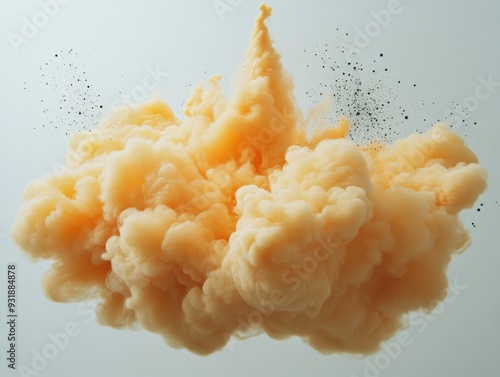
pixel 364 90
pixel 68 88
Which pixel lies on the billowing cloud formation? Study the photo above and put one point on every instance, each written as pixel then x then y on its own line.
pixel 235 220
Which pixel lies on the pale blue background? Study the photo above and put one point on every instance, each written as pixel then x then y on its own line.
pixel 444 46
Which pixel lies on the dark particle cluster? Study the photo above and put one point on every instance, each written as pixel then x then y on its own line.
pixel 478 209
pixel 365 94
pixel 72 104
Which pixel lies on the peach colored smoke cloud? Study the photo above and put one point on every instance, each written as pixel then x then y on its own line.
pixel 233 220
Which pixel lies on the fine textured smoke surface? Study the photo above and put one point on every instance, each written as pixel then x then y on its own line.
pixel 235 220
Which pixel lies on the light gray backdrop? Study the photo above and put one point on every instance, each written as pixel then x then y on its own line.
pixel 448 48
